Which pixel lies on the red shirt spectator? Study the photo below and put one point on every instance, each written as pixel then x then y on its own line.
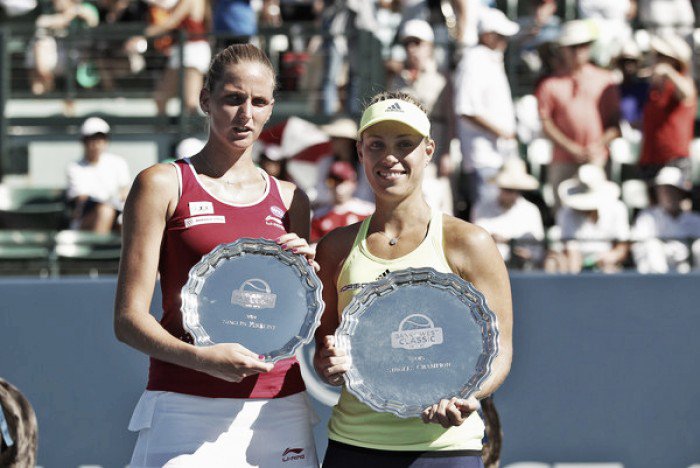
pixel 342 182
pixel 669 114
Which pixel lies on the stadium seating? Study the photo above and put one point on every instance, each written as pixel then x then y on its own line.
pixel 32 208
pixel 25 252
pixel 81 253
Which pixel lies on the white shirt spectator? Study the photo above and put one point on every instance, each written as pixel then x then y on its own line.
pixel 654 225
pixel 593 238
pixel 482 88
pixel 102 181
pixel 522 221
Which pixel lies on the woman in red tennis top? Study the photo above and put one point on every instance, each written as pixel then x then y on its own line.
pixel 219 405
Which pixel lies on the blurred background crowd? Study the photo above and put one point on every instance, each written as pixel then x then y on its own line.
pixel 565 128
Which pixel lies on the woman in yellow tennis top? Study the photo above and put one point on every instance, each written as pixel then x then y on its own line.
pixel 394 146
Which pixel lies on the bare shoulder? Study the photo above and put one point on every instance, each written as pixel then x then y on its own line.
pixel 291 193
pixel 468 247
pixel 161 176
pixel 336 245
pixel 155 186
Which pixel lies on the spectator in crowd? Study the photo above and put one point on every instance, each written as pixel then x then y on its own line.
pixel 275 164
pixel 98 183
pixel 18 428
pixel 115 61
pixel 346 209
pixel 421 79
pixel 343 134
pixel 663 233
pixel 192 17
pixel 233 21
pixel 594 223
pixel 484 109
pixel 341 22
pixel 667 15
pixel 612 21
pixel 539 27
pixel 579 107
pixel 669 113
pixel 634 90
pixel 511 220
pixel 48 56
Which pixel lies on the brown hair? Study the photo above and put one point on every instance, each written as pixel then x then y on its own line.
pixel 233 55
pixel 403 96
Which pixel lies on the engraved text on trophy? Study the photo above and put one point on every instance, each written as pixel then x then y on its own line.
pixel 417 331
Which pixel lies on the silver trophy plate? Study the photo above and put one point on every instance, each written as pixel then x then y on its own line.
pixel 415 337
pixel 253 292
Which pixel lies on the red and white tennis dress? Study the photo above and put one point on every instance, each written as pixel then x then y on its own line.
pixel 188 418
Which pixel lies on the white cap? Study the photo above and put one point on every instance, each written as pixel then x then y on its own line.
pixel 93 126
pixel 577 32
pixel 672 176
pixel 188 147
pixel 494 20
pixel 419 29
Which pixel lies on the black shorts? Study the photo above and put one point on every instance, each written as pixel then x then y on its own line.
pixel 339 455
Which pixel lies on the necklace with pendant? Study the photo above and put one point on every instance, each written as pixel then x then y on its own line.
pixel 392 240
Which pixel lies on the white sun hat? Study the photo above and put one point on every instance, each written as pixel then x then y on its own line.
pixel 577 32
pixel 589 190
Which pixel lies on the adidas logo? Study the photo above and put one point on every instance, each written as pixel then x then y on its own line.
pixel 395 107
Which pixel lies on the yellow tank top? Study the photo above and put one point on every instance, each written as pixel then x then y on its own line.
pixel 355 423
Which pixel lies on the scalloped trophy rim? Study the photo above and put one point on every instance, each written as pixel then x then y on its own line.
pixel 255 246
pixel 352 313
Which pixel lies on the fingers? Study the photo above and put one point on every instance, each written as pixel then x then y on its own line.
pixel 449 413
pixel 298 245
pixel 334 362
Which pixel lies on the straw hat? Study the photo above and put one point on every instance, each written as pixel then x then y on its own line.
pixel 513 176
pixel 341 128
pixel 576 32
pixel 589 190
pixel 672 45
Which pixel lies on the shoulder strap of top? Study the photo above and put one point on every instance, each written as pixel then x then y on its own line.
pixel 362 232
pixel 178 171
pixel 435 232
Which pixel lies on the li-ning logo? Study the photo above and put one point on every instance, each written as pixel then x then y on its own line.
pixel 254 294
pixel 395 107
pixel 292 454
pixel 417 331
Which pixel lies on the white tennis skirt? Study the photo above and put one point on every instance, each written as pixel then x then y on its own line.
pixel 177 430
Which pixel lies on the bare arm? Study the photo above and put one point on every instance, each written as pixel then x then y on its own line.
pixel 179 13
pixel 488 126
pixel 151 201
pixel 330 362
pixel 473 255
pixel 683 84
